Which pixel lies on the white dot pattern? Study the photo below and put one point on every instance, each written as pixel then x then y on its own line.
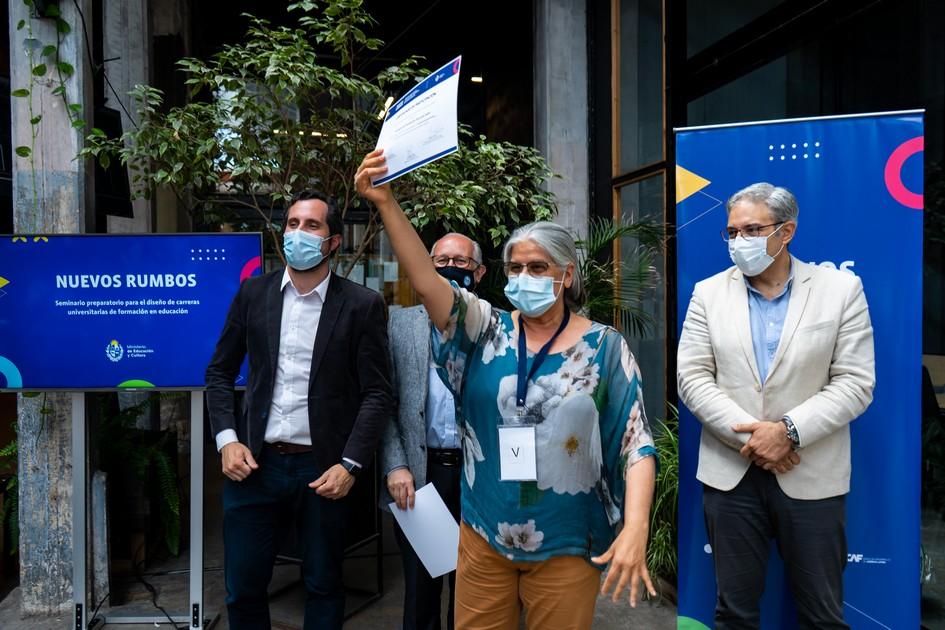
pixel 783 154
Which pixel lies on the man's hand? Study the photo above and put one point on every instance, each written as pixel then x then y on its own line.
pixel 769 441
pixel 373 165
pixel 400 486
pixel 238 461
pixel 334 484
pixel 784 465
pixel 627 558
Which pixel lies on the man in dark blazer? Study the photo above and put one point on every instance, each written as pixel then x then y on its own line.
pixel 317 399
pixel 422 444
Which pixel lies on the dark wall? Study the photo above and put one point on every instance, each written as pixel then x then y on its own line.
pixel 494 38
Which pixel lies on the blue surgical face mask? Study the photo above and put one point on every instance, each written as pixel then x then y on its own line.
pixel 303 251
pixel 530 295
pixel 750 253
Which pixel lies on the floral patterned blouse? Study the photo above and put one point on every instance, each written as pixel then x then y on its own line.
pixel 587 404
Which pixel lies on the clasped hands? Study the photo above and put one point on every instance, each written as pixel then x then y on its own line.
pixel 769 446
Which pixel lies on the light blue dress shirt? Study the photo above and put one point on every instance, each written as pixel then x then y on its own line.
pixel 767 322
pixel 440 409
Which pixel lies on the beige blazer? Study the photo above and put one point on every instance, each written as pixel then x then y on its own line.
pixel 822 376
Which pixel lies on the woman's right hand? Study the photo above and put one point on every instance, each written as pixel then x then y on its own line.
pixel 372 166
pixel 414 257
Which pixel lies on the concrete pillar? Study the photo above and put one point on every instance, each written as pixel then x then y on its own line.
pixel 170 19
pixel 561 98
pixel 52 198
pixel 126 39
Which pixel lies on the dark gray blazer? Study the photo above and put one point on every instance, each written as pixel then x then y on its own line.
pixel 405 439
pixel 349 398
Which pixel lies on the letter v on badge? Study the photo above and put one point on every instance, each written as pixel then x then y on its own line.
pixel 517 460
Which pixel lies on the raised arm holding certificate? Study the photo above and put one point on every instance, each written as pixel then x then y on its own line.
pixel 421 126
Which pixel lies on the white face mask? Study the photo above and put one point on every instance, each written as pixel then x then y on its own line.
pixel 750 253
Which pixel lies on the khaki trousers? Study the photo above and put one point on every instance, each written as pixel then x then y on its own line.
pixel 557 594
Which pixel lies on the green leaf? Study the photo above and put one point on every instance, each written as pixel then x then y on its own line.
pixel 104 160
pixel 20 93
pixel 97 132
pixel 76 107
pixel 23 151
pixel 39 70
pixel 78 123
pixel 61 89
pixel 20 25
pixel 48 50
pixel 52 11
pixel 63 27
pixel 66 68
pixel 35 119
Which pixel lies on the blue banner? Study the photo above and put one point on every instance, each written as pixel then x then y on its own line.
pixel 88 312
pixel 858 181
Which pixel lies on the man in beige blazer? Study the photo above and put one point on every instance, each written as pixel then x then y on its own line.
pixel 775 360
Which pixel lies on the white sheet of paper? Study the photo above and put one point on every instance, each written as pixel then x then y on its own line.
pixel 421 127
pixel 431 530
pixel 517 460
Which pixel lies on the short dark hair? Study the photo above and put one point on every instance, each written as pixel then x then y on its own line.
pixel 333 217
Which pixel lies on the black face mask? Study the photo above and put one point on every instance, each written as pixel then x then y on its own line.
pixel 463 277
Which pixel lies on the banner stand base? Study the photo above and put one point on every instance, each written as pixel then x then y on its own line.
pixel 196 617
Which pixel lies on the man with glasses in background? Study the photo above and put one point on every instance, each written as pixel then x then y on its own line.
pixel 775 360
pixel 422 443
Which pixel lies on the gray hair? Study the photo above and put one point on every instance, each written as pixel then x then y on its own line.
pixel 559 244
pixel 780 201
pixel 477 251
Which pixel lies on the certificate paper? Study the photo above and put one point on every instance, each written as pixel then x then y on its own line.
pixel 431 530
pixel 421 126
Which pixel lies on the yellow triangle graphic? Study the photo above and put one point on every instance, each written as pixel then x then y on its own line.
pixel 688 183
pixel 3 282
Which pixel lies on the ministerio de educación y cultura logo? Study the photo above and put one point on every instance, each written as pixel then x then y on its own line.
pixel 114 351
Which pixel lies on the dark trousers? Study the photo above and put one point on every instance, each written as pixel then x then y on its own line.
pixel 811 540
pixel 422 593
pixel 257 513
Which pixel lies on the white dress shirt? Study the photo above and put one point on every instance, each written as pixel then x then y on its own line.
pixel 288 415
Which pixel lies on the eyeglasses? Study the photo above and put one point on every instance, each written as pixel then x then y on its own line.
pixel 462 262
pixel 535 268
pixel 729 233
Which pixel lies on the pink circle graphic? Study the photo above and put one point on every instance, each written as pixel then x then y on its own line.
pixel 250 267
pixel 893 173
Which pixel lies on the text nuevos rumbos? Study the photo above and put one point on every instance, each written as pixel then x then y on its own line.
pixel 116 280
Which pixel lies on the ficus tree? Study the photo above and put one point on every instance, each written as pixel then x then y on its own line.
pixel 288 108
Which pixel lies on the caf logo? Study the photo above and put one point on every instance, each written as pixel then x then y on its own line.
pixel 114 351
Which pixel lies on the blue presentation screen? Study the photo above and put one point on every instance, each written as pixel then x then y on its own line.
pixel 106 312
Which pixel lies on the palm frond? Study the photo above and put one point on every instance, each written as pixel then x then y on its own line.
pixel 602 233
pixel 662 556
pixel 617 290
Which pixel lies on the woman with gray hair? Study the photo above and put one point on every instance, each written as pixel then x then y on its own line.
pixel 557 449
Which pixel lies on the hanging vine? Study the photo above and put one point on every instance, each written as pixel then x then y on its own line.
pixel 47 70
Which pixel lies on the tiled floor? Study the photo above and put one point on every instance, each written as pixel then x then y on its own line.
pixel 287 605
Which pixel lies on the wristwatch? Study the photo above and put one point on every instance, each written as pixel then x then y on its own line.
pixel 352 468
pixel 791 432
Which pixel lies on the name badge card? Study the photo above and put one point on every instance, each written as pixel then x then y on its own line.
pixel 517 460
